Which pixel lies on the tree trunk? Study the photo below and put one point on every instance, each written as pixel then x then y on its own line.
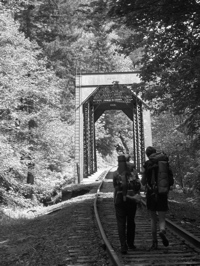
pixel 30 178
pixel 124 142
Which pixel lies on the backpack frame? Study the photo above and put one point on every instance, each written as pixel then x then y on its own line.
pixel 160 179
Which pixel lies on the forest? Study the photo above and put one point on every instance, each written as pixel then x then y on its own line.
pixel 44 43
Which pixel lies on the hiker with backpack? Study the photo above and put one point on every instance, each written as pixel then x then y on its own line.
pixel 126 195
pixel 157 178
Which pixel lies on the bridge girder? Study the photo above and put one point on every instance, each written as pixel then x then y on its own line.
pixel 92 102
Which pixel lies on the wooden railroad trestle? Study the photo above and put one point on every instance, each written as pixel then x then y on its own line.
pixel 96 93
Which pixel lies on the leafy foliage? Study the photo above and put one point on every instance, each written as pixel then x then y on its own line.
pixel 162 38
pixel 112 128
pixel 45 43
pixel 31 125
pixel 168 33
pixel 37 93
pixel 183 150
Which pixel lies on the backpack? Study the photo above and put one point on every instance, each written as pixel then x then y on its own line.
pixel 128 181
pixel 161 179
pixel 122 180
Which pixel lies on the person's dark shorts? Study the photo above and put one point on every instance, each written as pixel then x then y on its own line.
pixel 157 202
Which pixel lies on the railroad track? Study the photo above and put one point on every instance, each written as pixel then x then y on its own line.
pixel 187 225
pixel 87 236
pixel 84 246
pixel 184 248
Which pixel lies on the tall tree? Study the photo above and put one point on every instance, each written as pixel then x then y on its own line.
pixel 169 33
pixel 30 103
pixel 182 149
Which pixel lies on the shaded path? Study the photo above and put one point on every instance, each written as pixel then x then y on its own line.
pixel 66 237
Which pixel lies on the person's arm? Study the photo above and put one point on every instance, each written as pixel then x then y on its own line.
pixel 114 179
pixel 137 197
pixel 115 184
pixel 144 176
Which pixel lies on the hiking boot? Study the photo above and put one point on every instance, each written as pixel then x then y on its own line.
pixel 154 245
pixel 132 247
pixel 162 235
pixel 124 249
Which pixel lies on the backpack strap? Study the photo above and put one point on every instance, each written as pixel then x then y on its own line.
pixel 122 183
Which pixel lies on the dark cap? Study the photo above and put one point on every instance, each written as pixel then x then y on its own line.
pixel 121 158
pixel 119 148
pixel 150 150
pixel 128 157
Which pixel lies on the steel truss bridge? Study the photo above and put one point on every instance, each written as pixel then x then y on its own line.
pixel 95 93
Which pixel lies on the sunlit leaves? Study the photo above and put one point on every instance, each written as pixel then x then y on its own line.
pixel 29 92
pixel 169 33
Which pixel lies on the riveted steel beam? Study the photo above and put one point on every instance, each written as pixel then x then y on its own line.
pixel 96 93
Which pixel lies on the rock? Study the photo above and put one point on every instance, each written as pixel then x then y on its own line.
pixel 71 192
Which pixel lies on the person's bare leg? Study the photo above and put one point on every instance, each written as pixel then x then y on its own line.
pixel 162 234
pixel 161 217
pixel 154 230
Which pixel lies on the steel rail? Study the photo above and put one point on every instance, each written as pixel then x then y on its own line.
pixel 190 238
pixel 113 256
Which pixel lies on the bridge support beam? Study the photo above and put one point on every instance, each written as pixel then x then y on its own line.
pixel 85 116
